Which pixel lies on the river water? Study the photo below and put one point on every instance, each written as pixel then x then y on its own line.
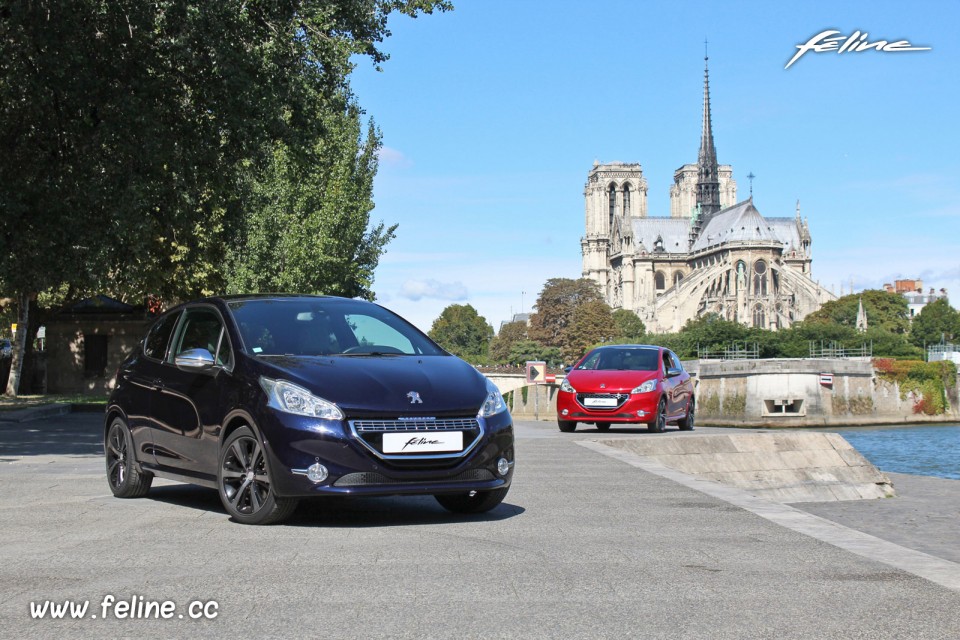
pixel 926 450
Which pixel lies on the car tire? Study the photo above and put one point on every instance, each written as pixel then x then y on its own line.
pixel 243 482
pixel 567 426
pixel 123 476
pixel 603 426
pixel 659 423
pixel 472 502
pixel 687 423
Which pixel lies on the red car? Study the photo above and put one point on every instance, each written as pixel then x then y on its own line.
pixel 627 383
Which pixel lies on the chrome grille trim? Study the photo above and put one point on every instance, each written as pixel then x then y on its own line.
pixel 621 399
pixel 387 426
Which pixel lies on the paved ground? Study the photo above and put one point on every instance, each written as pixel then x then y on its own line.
pixel 585 546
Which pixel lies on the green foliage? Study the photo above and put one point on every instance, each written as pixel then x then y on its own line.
pixel 462 331
pixel 556 305
pixel 525 350
pixel 590 324
pixel 885 310
pixel 925 380
pixel 630 328
pixel 936 322
pixel 509 335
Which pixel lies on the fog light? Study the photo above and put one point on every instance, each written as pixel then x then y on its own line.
pixel 317 472
pixel 641 414
pixel 503 467
pixel 565 412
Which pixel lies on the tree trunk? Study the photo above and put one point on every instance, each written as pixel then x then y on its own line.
pixel 19 346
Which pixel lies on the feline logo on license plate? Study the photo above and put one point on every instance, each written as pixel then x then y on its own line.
pixel 423 442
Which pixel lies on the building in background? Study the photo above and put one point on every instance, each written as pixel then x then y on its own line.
pixel 711 255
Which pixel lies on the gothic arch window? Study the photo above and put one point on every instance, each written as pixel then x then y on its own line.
pixel 626 200
pixel 677 277
pixel 741 282
pixel 659 281
pixel 760 278
pixel 759 317
pixel 612 199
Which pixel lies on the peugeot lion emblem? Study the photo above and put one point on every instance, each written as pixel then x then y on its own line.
pixel 414 398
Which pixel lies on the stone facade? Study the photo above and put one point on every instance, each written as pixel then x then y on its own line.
pixel 711 255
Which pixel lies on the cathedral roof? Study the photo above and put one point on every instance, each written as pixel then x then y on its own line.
pixel 743 223
pixel 674 232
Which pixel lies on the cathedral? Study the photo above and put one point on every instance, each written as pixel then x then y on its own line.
pixel 711 255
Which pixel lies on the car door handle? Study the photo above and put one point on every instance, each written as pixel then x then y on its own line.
pixel 158 384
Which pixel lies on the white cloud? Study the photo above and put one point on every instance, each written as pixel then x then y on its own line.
pixel 394 158
pixel 418 289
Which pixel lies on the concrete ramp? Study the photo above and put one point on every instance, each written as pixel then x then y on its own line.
pixel 783 467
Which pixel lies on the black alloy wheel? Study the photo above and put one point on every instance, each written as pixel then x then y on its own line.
pixel 244 482
pixel 567 426
pixel 472 502
pixel 687 423
pixel 659 425
pixel 126 481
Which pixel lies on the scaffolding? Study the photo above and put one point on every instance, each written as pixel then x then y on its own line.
pixel 736 351
pixel 834 349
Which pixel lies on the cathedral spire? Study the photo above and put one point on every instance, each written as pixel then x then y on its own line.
pixel 708 175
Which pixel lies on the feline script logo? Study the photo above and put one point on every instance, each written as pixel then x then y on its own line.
pixel 830 40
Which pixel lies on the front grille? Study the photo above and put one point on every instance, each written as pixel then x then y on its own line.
pixel 619 397
pixel 370 433
pixel 415 424
pixel 367 478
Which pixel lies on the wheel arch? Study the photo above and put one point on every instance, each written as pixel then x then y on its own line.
pixel 236 419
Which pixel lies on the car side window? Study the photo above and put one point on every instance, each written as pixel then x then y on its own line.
pixel 155 344
pixel 203 329
pixel 666 363
pixel 675 361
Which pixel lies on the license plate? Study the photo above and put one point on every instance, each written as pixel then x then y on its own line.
pixel 600 402
pixel 423 442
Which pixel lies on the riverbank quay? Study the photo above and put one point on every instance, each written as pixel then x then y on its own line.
pixel 584 546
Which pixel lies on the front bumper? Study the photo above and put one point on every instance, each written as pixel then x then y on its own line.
pixel 641 407
pixel 293 443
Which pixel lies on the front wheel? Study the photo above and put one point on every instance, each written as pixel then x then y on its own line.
pixel 126 481
pixel 567 426
pixel 659 423
pixel 603 426
pixel 472 502
pixel 243 482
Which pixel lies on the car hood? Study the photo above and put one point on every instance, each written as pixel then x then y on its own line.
pixel 589 381
pixel 382 385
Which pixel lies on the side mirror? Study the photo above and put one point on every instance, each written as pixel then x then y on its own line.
pixel 567 369
pixel 673 373
pixel 195 360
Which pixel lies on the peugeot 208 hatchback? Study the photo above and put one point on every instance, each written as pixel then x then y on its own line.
pixel 269 399
pixel 621 384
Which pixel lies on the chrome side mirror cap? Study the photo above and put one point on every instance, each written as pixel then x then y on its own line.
pixel 195 360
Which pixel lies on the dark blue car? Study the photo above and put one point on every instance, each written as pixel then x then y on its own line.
pixel 270 399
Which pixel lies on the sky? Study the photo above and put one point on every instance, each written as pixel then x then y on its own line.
pixel 492 115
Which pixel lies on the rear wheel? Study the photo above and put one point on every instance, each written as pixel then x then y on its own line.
pixel 243 482
pixel 687 423
pixel 567 425
pixel 603 426
pixel 126 481
pixel 472 502
pixel 659 423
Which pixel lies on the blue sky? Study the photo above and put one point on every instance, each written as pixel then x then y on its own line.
pixel 493 114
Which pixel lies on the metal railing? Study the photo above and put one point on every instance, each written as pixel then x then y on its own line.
pixel 736 351
pixel 834 349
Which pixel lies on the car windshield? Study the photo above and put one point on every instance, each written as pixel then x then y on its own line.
pixel 621 360
pixel 326 326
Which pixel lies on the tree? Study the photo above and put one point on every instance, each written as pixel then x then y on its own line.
pixel 133 134
pixel 936 322
pixel 526 350
pixel 462 331
pixel 555 306
pixel 510 334
pixel 885 310
pixel 591 324
pixel 630 328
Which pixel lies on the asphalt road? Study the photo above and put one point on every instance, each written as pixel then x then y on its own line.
pixel 585 546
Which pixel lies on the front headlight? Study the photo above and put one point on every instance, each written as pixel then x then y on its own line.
pixel 494 403
pixel 646 387
pixel 290 398
pixel 566 386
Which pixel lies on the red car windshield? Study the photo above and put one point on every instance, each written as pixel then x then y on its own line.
pixel 612 359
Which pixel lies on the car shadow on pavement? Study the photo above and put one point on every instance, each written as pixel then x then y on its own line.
pixel 332 512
